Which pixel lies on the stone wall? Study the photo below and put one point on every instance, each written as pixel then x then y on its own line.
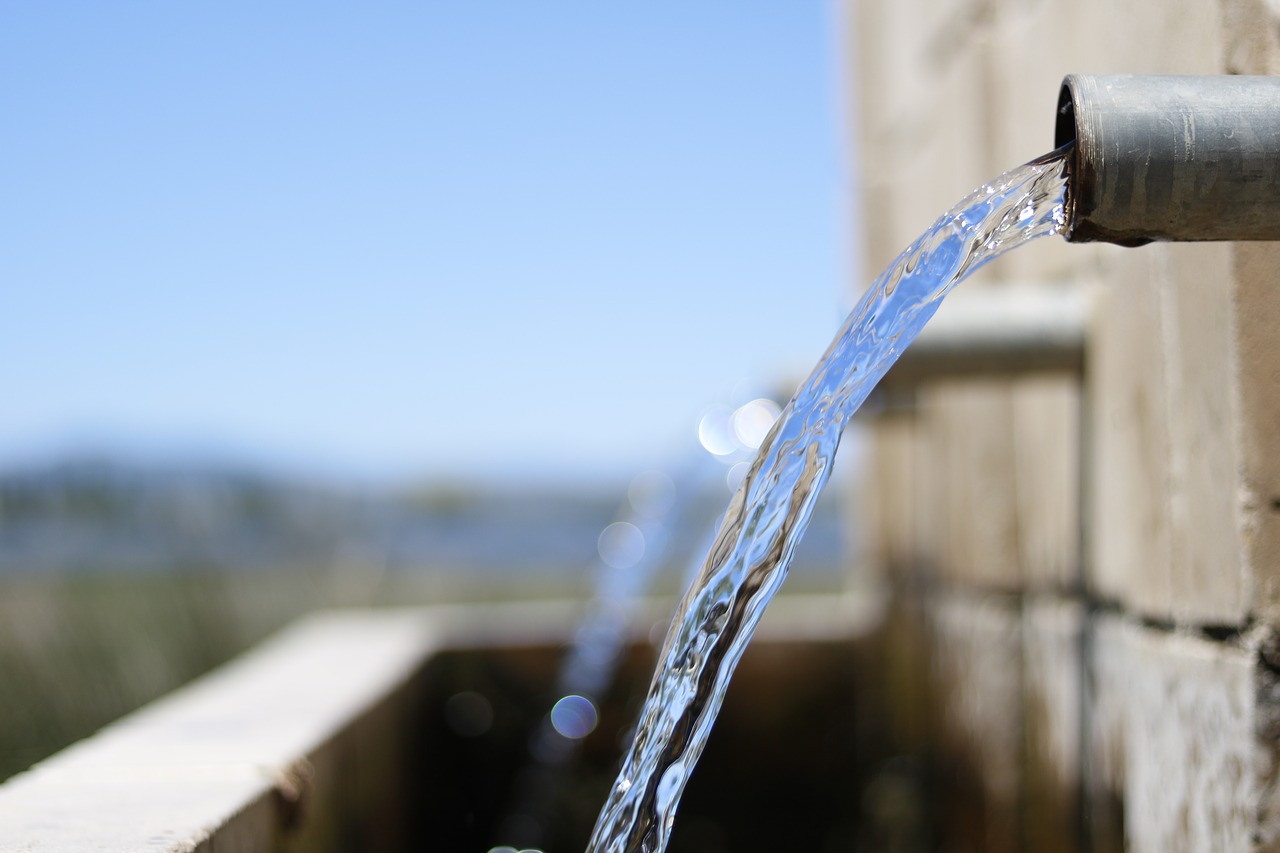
pixel 1089 566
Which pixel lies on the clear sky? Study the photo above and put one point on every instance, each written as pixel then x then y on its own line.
pixel 412 240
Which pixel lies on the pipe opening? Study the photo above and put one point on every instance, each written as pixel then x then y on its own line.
pixel 1170 158
pixel 1064 133
pixel 1064 130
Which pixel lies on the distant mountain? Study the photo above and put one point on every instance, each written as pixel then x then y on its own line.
pixel 98 514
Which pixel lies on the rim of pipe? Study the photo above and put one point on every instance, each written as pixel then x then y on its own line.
pixel 1182 158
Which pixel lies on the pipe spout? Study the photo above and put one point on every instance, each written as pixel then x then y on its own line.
pixel 1171 158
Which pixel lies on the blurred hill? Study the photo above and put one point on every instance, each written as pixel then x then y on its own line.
pixel 123 579
pixel 96 514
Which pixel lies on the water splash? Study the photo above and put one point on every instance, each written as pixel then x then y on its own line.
pixel 768 514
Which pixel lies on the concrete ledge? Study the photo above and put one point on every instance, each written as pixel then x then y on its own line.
pixel 230 761
pixel 300 744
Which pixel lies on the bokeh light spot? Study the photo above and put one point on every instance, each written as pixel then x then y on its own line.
pixel 574 716
pixel 621 545
pixel 651 494
pixel 733 479
pixel 715 431
pixel 751 421
pixel 468 714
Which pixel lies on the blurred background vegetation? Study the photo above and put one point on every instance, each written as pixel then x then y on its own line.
pixel 122 579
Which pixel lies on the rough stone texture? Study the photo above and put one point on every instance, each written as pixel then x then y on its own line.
pixel 947 87
pixel 1128 501
pixel 1108 666
pixel 1038 44
pixel 1046 457
pixel 1163 500
pixel 1208 582
pixel 1165 465
pixel 885 505
pixel 977 675
pixel 970 424
pixel 1256 315
pixel 917 75
pixel 1250 38
pixel 1251 45
pixel 1177 736
pixel 1052 678
pixel 1192 760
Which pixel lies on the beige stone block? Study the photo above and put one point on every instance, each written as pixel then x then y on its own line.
pixel 970 427
pixel 929 534
pixel 1102 37
pixel 1163 490
pixel 1208 586
pixel 885 496
pixel 1191 780
pixel 897 491
pixel 904 50
pixel 920 120
pixel 1251 37
pixel 856 501
pixel 1190 734
pixel 1108 664
pixel 884 61
pixel 1176 733
pixel 1052 684
pixel 1034 45
pixel 905 683
pixel 1027 48
pixel 1256 318
pixel 1046 458
pixel 1252 46
pixel 976 669
pixel 1128 473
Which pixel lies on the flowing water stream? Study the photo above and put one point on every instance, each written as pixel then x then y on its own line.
pixel 768 514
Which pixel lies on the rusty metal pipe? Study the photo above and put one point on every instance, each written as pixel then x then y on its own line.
pixel 1171 158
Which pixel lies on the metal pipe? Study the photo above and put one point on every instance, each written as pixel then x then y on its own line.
pixel 1171 158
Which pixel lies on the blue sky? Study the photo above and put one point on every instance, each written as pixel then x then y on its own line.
pixel 493 240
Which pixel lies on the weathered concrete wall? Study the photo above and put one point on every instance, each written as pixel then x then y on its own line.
pixel 1095 560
